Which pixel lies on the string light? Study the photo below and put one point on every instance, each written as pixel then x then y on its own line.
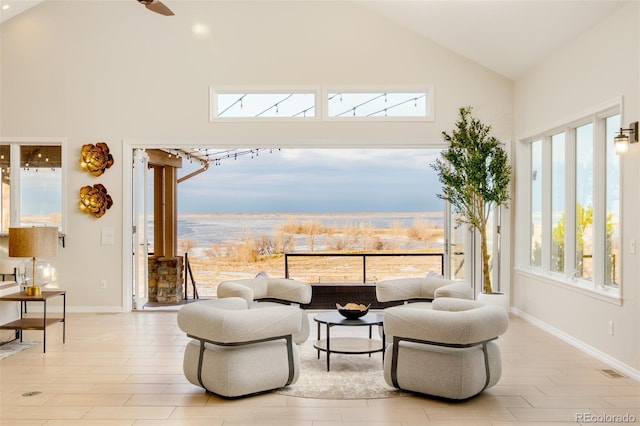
pixel 415 103
pixel 304 111
pixel 361 104
pixel 207 156
pixel 275 105
pixel 237 101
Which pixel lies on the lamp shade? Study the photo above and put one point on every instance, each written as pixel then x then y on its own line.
pixel 621 142
pixel 36 241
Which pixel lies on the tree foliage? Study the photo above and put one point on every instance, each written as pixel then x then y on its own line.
pixel 475 174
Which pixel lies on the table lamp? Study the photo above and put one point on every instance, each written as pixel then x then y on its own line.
pixel 36 241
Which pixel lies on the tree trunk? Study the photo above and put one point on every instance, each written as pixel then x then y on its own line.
pixel 486 274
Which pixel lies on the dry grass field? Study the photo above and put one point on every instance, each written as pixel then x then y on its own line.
pixel 245 259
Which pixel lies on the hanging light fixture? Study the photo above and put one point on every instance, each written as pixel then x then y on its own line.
pixel 626 137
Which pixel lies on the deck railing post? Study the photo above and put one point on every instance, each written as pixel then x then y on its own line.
pixel 286 265
pixel 364 268
pixel 185 266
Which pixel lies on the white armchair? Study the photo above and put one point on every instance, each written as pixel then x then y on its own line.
pixel 448 351
pixel 236 351
pixel 421 289
pixel 264 291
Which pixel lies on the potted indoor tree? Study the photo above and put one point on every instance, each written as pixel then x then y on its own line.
pixel 475 173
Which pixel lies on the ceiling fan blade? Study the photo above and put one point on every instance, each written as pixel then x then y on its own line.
pixel 157 6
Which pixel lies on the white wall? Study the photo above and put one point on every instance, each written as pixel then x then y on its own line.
pixel 112 71
pixel 594 69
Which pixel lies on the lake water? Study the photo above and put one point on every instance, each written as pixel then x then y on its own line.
pixel 211 229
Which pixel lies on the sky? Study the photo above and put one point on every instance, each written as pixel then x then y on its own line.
pixel 40 191
pixel 315 181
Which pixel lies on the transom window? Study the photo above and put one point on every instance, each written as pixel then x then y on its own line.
pixel 265 105
pixel 377 104
pixel 307 103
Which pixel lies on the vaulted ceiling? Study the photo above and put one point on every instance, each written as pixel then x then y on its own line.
pixel 506 36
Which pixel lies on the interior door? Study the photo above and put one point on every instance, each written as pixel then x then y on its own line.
pixel 140 290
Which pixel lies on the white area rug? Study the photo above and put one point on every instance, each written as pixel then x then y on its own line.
pixel 14 347
pixel 351 377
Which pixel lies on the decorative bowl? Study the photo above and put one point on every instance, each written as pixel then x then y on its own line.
pixel 353 310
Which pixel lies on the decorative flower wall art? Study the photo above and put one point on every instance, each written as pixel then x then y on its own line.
pixel 95 159
pixel 95 200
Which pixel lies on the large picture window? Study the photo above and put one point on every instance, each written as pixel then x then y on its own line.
pixel 574 203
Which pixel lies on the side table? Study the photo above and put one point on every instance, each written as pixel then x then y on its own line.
pixel 348 345
pixel 36 323
pixel 9 311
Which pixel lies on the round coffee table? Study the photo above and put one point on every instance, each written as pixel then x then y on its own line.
pixel 348 345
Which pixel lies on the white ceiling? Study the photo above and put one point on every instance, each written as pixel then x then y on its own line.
pixel 10 8
pixel 506 36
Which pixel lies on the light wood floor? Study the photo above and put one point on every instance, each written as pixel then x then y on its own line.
pixel 126 369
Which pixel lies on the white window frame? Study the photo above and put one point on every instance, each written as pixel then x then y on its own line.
pixel 215 90
pixel 426 89
pixel 594 287
pixel 321 102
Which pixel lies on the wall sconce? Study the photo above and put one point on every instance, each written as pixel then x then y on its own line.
pixel 622 140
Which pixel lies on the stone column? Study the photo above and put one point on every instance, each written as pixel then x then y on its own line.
pixel 166 279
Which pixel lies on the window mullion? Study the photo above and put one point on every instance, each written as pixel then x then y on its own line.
pixel 14 175
pixel 546 204
pixel 570 208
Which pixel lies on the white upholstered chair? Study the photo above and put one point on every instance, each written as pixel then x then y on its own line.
pixel 447 351
pixel 264 291
pixel 421 290
pixel 236 351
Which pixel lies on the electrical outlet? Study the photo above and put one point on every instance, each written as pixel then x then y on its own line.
pixel 632 247
pixel 103 284
pixel 610 328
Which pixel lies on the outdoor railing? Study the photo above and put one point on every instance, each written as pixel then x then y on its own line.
pixel 363 257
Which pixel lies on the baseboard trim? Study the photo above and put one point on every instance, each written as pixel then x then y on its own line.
pixel 35 307
pixel 578 344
